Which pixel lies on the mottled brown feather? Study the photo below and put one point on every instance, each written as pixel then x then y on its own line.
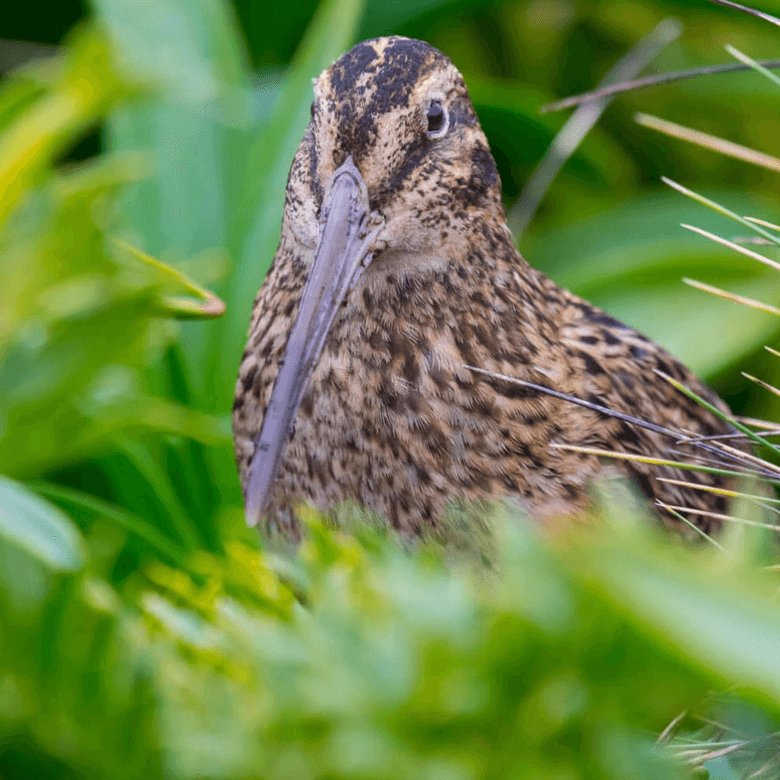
pixel 392 418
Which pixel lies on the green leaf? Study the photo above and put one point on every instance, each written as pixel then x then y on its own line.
pixel 193 128
pixel 712 622
pixel 189 47
pixel 210 306
pixel 258 202
pixel 39 527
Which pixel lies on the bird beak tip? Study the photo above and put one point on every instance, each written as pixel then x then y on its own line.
pixel 252 511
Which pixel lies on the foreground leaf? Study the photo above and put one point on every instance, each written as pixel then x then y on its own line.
pixel 39 527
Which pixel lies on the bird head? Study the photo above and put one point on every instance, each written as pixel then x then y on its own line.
pixel 400 109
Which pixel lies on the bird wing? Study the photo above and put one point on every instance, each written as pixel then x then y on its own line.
pixel 623 370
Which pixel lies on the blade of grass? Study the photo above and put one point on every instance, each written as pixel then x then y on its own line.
pixel 151 413
pixel 683 519
pixel 745 9
pixel 199 111
pixel 600 409
pixel 719 491
pixel 81 96
pixel 751 240
pixel 210 308
pixel 681 455
pixel 713 626
pixel 730 436
pixel 764 223
pixel 201 489
pixel 709 755
pixel 727 518
pixel 667 733
pixel 39 527
pixel 765 385
pixel 651 461
pixel 749 457
pixel 768 426
pixel 191 49
pixel 149 468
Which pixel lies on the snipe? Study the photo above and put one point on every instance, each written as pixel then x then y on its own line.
pixel 396 276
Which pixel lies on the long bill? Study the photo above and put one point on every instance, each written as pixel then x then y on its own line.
pixel 344 249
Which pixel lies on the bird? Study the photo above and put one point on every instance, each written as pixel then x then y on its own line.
pixel 403 355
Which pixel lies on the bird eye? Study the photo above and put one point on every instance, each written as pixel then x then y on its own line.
pixel 437 118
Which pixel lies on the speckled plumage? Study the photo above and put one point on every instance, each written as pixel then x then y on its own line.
pixel 392 417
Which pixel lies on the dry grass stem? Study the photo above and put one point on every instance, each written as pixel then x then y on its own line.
pixel 685 521
pixel 650 81
pixel 765 385
pixel 764 425
pixel 667 732
pixel 728 148
pixel 726 518
pixel 752 240
pixel 719 491
pixel 733 297
pixel 736 247
pixel 745 9
pixel 763 223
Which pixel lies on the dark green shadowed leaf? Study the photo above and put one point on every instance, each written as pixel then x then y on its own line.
pixel 133 523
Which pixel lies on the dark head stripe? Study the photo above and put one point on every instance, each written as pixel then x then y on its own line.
pixel 393 67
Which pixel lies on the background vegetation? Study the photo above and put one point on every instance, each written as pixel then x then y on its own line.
pixel 142 631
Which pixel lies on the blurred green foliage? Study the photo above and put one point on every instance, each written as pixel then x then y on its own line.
pixel 563 662
pixel 142 632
